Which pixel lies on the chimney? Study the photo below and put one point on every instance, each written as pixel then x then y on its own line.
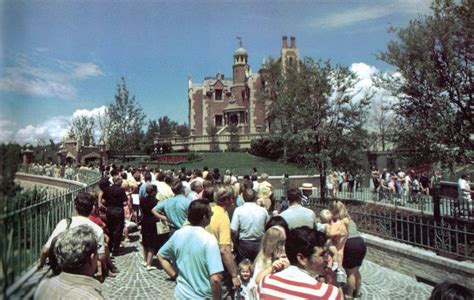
pixel 285 42
pixel 293 44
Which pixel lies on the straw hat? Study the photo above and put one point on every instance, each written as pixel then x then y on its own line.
pixel 307 186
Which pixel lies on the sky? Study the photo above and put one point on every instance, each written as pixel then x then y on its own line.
pixel 61 59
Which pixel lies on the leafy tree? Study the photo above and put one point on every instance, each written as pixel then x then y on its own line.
pixel 166 127
pixel 182 130
pixel 434 55
pixel 212 132
pixel 314 112
pixel 82 127
pixel 233 144
pixel 126 121
pixel 10 160
pixel 381 126
pixel 150 135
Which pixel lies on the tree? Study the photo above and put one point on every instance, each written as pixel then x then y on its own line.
pixel 150 135
pixel 381 125
pixel 212 132
pixel 82 127
pixel 166 127
pixel 126 121
pixel 10 160
pixel 434 55
pixel 314 112
pixel 182 130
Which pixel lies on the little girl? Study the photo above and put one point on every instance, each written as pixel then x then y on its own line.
pixel 247 289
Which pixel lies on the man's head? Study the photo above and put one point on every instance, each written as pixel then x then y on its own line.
pixel 177 187
pixel 118 180
pixel 148 177
pixel 223 195
pixel 199 213
pixel 305 249
pixel 151 190
pixel 264 177
pixel 249 195
pixel 294 195
pixel 307 189
pixel 84 203
pixel 464 176
pixel 196 186
pixel 76 251
pixel 208 193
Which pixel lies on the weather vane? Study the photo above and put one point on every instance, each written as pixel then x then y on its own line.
pixel 240 41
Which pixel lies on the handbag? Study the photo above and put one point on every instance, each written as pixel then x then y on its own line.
pixel 162 227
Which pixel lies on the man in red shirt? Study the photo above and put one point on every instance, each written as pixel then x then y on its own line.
pixel 307 254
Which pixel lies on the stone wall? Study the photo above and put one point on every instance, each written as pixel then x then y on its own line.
pixel 419 263
pixel 27 180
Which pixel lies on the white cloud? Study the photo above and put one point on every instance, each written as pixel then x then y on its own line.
pixel 6 130
pixel 85 70
pixel 367 13
pixel 58 80
pixel 55 128
pixel 90 113
pixel 366 83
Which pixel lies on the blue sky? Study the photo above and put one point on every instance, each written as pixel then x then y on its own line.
pixel 60 59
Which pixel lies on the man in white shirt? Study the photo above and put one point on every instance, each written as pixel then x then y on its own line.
pixel 248 226
pixel 464 194
pixel 84 204
pixel 296 215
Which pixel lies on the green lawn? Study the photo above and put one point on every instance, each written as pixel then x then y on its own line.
pixel 239 163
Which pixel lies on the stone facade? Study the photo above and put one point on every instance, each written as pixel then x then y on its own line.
pixel 221 102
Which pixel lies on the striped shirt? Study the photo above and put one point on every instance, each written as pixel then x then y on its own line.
pixel 292 283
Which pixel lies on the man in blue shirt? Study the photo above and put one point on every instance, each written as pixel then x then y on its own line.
pixel 173 210
pixel 196 254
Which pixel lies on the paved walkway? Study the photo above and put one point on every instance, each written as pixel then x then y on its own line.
pixel 135 282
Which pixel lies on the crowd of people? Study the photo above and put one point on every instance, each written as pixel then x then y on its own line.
pixel 65 171
pixel 216 235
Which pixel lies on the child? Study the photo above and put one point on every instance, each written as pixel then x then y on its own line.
pixel 245 275
pixel 325 227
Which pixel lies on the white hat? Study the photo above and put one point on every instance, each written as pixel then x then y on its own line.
pixel 307 186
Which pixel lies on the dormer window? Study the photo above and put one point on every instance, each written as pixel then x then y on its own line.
pixel 218 95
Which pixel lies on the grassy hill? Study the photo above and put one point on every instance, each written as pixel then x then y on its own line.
pixel 239 163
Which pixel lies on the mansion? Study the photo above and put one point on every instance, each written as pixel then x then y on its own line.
pixel 220 103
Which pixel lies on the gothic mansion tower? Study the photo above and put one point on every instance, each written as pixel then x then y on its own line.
pixel 222 102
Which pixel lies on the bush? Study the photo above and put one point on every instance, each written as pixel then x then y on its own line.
pixel 267 148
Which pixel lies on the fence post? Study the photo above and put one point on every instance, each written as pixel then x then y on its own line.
pixel 436 207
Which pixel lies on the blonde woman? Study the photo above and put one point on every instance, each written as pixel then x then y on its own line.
pixel 272 257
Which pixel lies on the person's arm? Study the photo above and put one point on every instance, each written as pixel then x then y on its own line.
pixel 168 267
pixel 43 256
pixel 157 211
pixel 276 266
pixel 229 264
pixel 216 286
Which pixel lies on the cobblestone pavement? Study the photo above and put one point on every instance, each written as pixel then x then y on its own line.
pixel 135 282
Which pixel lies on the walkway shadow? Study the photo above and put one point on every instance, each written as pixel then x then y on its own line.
pixel 127 250
pixel 134 238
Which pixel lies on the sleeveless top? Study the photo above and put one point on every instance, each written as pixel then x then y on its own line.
pixel 353 232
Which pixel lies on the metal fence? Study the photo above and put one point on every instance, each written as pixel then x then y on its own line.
pixel 449 237
pixel 407 220
pixel 24 231
pixel 448 206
